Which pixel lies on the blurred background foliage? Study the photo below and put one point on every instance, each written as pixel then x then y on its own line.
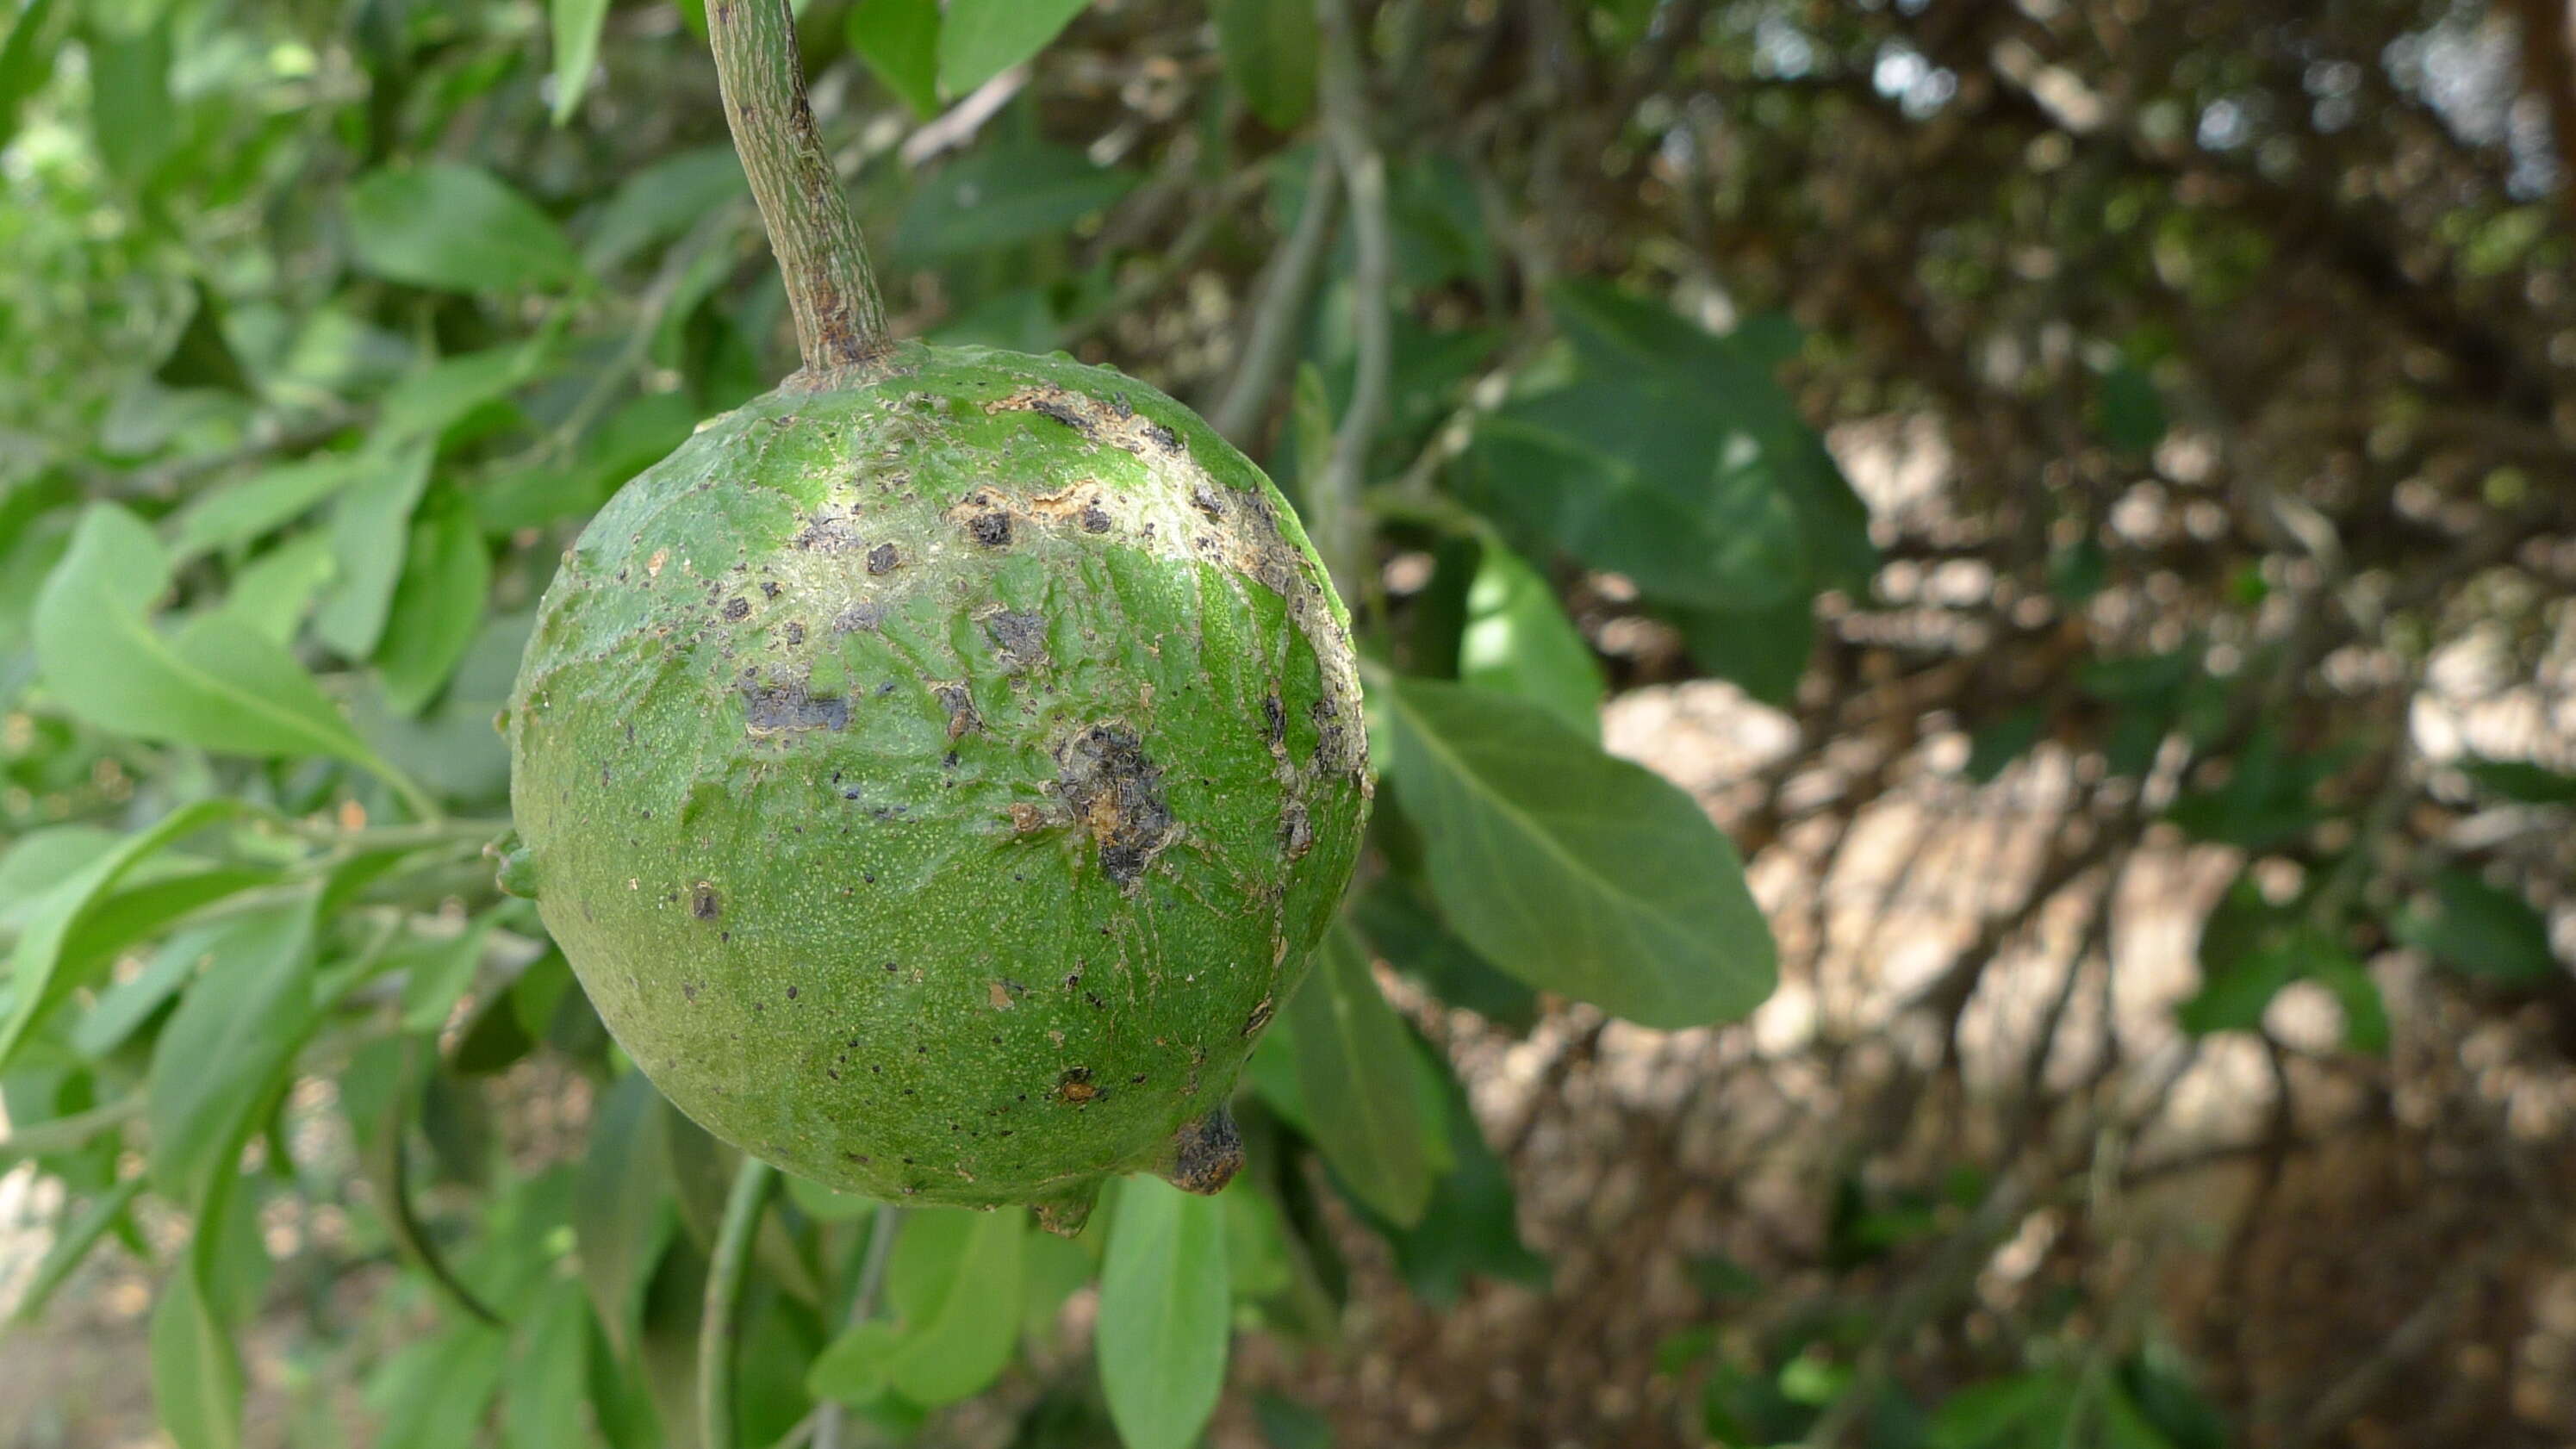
pixel 2076 488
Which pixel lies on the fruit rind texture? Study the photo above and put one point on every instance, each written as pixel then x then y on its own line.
pixel 938 783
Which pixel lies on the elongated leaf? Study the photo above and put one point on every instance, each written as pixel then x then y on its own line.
pixel 274 592
pixel 1518 641
pixel 369 523
pixel 240 512
pixel 1355 1081
pixel 622 1214
pixel 215 683
pixel 1574 871
pixel 396 1068
pixel 26 61
pixel 955 1287
pixel 1269 47
pixel 72 1247
pixel 1004 196
pixel 1471 1225
pixel 425 403
pixel 576 32
pixel 1763 652
pixel 899 40
pixel 2481 929
pixel 544 1384
pixel 459 228
pixel 1164 1314
pixel 128 1004
pixel 983 38
pixel 662 201
pixel 437 606
pixel 225 1056
pixel 2524 781
pixel 197 1380
pixel 37 980
pixel 131 113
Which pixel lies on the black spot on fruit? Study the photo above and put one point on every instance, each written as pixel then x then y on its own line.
pixel 737 608
pixel 704 903
pixel 882 559
pixel 992 530
pixel 1114 791
pixel 1095 519
pixel 769 707
pixel 1206 1154
pixel 1019 634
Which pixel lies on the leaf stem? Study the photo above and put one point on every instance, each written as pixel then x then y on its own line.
pixel 1336 503
pixel 840 324
pixel 716 1345
pixel 863 1306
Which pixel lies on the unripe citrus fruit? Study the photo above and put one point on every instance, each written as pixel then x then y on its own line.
pixel 938 781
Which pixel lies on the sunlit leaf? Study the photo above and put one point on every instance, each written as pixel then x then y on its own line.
pixel 455 227
pixel 576 25
pixel 223 1059
pixel 1355 1080
pixel 1574 871
pixel 370 521
pixel 1518 641
pixel 1164 1314
pixel 983 38
pixel 899 40
pixel 215 683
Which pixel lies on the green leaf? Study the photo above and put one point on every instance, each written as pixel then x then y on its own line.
pixel 1472 1222
pixel 437 606
pixel 426 402
pixel 1762 651
pixel 272 593
pixel 1518 641
pixel 2127 410
pixel 622 1213
pixel 457 228
pixel 369 523
pixel 215 684
pixel 576 30
pixel 983 38
pixel 42 860
pixel 1003 196
pixel 26 61
pixel 2522 780
pixel 197 1380
pixel 132 117
pixel 2480 930
pixel 899 40
pixel 437 974
pixel 1288 1424
pixel 72 1245
pixel 1999 742
pixel 548 1373
pixel 37 980
pixel 2365 1012
pixel 239 512
pixel 434 1392
pixel 228 1050
pixel 954 1285
pixel 1269 48
pixel 1571 870
pixel 1355 1081
pixel 1412 938
pixel 1164 1314
pixel 662 201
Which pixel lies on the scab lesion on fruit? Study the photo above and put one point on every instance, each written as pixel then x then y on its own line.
pixel 704 902
pixel 1074 1085
pixel 960 705
pixel 1115 791
pixel 1206 1154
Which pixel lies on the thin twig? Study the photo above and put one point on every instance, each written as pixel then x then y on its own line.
pixel 1280 307
pixel 743 1207
pixel 1336 500
pixel 882 1228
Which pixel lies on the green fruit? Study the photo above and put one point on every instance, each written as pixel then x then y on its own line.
pixel 937 783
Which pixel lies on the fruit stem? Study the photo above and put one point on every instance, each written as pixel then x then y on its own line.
pixel 716 1346
pixel 840 324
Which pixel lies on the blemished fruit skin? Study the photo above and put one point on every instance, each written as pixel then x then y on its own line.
pixel 938 782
